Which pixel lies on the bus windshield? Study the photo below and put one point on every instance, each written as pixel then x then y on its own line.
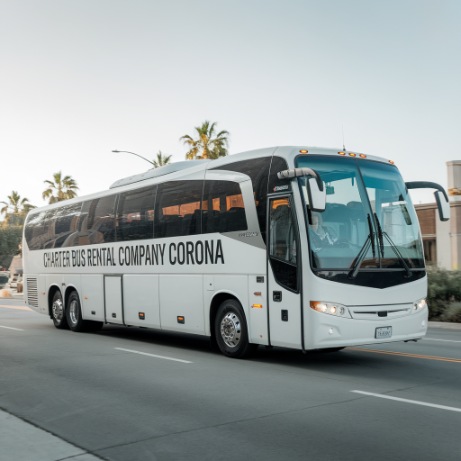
pixel 369 222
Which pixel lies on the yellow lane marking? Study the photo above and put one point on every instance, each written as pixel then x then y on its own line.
pixel 405 354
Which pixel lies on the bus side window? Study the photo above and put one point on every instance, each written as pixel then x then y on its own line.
pixel 178 208
pixel 135 214
pixel 224 207
pixel 262 180
pixel 97 221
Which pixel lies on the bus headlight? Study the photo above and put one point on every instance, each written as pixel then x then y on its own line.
pixel 419 305
pixel 330 308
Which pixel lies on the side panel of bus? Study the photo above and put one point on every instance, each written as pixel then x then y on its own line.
pixel 92 297
pixel 181 303
pixel 141 301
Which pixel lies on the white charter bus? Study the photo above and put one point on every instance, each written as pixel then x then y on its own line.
pixel 232 249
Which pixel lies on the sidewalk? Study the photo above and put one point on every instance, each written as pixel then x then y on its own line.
pixel 22 441
pixel 8 293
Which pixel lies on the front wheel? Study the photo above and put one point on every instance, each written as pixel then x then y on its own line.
pixel 231 331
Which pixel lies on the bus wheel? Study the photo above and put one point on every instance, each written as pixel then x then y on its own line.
pixel 74 313
pixel 57 312
pixel 231 330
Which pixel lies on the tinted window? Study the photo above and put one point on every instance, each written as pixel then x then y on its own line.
pixel 258 170
pixel 97 221
pixel 35 230
pixel 275 184
pixel 65 222
pixel 283 243
pixel 52 229
pixel 135 218
pixel 223 207
pixel 178 208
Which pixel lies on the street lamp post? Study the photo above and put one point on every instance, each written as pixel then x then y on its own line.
pixel 134 153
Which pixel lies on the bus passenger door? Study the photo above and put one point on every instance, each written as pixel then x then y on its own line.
pixel 113 305
pixel 284 296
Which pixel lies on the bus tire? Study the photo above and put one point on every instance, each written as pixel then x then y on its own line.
pixel 231 331
pixel 58 314
pixel 74 313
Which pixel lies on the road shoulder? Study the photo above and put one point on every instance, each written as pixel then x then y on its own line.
pixel 24 441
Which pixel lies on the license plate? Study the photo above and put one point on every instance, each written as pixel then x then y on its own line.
pixel 383 332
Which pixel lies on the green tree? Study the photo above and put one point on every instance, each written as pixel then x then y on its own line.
pixel 208 144
pixel 161 160
pixel 60 188
pixel 15 209
pixel 10 239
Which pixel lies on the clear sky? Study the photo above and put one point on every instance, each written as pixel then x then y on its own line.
pixel 80 78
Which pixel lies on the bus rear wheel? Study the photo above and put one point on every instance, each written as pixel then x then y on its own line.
pixel 74 313
pixel 74 316
pixel 57 312
pixel 231 331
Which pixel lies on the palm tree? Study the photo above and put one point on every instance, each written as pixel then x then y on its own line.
pixel 161 160
pixel 61 188
pixel 208 143
pixel 16 208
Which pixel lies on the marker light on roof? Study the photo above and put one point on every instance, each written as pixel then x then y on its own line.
pixel 303 151
pixel 342 153
pixel 351 154
pixel 391 162
pixel 362 156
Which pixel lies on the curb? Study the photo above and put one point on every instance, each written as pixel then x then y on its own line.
pixel 445 325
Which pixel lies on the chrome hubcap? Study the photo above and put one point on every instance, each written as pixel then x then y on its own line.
pixel 73 312
pixel 231 330
pixel 58 310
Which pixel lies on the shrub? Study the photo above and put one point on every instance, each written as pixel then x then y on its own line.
pixel 444 295
pixel 452 313
pixel 10 238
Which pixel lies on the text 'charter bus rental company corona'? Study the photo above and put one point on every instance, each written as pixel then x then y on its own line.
pixel 304 248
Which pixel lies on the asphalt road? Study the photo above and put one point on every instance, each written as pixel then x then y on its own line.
pixel 135 394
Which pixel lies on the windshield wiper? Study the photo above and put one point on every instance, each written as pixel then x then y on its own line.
pixel 381 235
pixel 371 235
pixel 370 241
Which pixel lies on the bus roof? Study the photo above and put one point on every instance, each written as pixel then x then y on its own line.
pixel 283 151
pixel 190 167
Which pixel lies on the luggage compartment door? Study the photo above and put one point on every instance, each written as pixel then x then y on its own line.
pixel 113 296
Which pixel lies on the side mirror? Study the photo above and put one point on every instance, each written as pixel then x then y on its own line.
pixel 316 190
pixel 442 205
pixel 441 197
pixel 317 196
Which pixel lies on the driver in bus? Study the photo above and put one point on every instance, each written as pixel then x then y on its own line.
pixel 320 235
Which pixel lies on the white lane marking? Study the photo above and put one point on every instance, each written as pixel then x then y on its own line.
pixel 152 355
pixel 11 328
pixel 414 402
pixel 442 340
